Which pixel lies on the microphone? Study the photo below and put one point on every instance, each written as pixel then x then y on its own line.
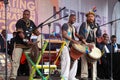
pixel 60 10
pixel 65 16
pixel 63 8
pixel 40 25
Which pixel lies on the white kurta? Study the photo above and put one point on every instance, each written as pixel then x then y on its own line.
pixel 116 25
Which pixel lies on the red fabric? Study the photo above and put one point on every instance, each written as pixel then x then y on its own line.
pixel 23 58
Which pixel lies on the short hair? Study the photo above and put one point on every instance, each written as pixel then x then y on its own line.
pixel 4 30
pixel 26 10
pixel 105 34
pixel 113 36
pixel 14 33
pixel 72 15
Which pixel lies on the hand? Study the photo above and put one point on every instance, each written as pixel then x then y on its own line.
pixel 36 32
pixel 84 41
pixel 91 46
pixel 30 43
pixel 118 50
pixel 74 41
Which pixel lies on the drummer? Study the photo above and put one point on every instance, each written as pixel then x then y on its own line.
pixel 68 70
pixel 24 27
pixel 89 30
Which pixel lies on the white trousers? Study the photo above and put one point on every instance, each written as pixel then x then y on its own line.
pixel 16 56
pixel 84 68
pixel 66 72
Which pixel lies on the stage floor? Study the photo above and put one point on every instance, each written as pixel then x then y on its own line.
pixel 52 78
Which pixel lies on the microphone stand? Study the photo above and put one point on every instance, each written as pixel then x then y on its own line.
pixel 49 25
pixel 6 51
pixel 41 26
pixel 111 69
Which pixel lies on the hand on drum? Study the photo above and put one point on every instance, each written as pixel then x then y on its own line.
pixel 91 46
pixel 74 41
pixel 30 43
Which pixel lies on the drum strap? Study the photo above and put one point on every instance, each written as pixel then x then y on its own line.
pixel 89 31
pixel 71 31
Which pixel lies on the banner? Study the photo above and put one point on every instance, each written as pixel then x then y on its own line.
pixel 15 10
pixel 47 8
pixel 41 10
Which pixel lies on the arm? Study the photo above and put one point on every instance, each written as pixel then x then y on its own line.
pixel 19 25
pixel 82 30
pixel 35 31
pixel 98 34
pixel 65 33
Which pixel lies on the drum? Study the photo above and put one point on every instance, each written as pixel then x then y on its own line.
pixel 94 55
pixel 2 66
pixel 41 41
pixel 77 50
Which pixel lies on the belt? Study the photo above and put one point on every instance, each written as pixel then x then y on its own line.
pixel 21 46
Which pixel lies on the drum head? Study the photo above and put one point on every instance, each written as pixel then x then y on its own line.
pixel 79 47
pixel 95 54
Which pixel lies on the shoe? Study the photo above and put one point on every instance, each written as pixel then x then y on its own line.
pixel 96 78
pixel 74 79
pixel 12 79
pixel 84 78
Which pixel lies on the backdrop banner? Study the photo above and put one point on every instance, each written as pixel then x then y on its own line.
pixel 43 9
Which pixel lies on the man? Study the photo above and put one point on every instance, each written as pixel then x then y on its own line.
pixel 89 30
pixel 68 70
pixel 25 28
pixel 103 63
pixel 11 44
pixel 114 43
pixel 3 41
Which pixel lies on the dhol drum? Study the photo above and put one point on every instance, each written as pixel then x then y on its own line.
pixel 41 41
pixel 77 50
pixel 94 55
pixel 3 68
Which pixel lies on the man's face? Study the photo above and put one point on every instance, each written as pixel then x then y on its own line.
pixel 113 40
pixel 90 18
pixel 26 15
pixel 72 19
pixel 106 39
pixel 4 33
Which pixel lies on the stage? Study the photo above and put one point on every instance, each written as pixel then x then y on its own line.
pixel 52 78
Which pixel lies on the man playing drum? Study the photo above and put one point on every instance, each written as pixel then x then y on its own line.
pixel 89 30
pixel 68 70
pixel 25 27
